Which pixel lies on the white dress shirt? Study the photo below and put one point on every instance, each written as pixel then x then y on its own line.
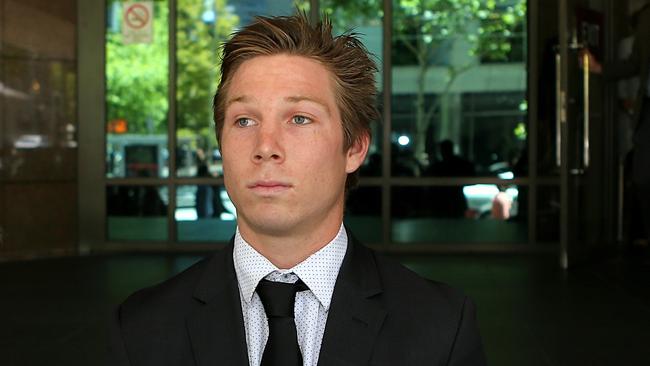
pixel 319 272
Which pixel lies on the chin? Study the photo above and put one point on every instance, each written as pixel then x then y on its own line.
pixel 272 227
pixel 269 223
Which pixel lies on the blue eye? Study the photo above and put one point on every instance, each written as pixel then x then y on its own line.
pixel 301 120
pixel 244 122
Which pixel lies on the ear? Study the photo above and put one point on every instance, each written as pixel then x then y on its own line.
pixel 356 154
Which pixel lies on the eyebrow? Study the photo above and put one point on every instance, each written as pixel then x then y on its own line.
pixel 239 99
pixel 297 99
pixel 292 99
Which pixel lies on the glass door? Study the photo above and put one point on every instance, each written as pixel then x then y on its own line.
pixel 586 223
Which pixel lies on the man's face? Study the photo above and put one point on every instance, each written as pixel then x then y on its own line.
pixel 282 147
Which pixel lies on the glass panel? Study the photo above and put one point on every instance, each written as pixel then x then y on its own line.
pixel 202 26
pixel 459 75
pixel 548 214
pixel 136 92
pixel 204 213
pixel 496 133
pixel 547 47
pixel 366 19
pixel 137 213
pixel 38 122
pixel 38 119
pixel 363 214
pixel 479 213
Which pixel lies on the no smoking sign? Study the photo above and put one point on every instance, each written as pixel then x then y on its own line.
pixel 137 22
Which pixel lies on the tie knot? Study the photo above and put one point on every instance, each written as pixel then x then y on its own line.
pixel 279 298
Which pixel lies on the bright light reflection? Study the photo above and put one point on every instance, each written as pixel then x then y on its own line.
pixel 227 216
pixel 506 175
pixel 186 214
pixel 480 191
pixel 403 140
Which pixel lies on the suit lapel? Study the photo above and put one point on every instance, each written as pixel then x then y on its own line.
pixel 356 313
pixel 216 328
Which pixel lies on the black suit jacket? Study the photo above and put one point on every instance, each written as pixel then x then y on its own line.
pixel 381 314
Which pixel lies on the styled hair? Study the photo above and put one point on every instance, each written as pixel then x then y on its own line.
pixel 347 59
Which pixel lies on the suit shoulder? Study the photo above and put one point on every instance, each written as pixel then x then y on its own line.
pixel 404 283
pixel 171 295
pixel 437 321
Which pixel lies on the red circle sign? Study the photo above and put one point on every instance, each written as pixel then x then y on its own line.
pixel 136 16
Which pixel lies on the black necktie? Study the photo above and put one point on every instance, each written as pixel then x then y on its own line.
pixel 278 299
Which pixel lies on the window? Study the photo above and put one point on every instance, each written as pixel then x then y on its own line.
pixel 453 130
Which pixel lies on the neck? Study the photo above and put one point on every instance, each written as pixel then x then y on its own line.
pixel 288 250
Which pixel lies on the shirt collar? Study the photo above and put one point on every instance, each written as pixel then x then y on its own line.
pixel 319 271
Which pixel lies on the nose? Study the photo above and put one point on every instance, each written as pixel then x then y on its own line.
pixel 269 144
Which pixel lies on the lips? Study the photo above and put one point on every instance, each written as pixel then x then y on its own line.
pixel 269 187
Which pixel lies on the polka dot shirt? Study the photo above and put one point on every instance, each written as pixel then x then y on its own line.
pixel 318 272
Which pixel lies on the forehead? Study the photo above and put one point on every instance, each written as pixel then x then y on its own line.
pixel 280 75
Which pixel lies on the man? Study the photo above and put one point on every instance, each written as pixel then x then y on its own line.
pixel 292 115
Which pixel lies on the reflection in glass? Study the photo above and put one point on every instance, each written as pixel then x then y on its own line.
pixel 496 137
pixel 201 27
pixel 459 75
pixel 363 214
pixel 204 213
pixel 455 214
pixel 38 118
pixel 137 213
pixel 136 96
pixel 547 133
pixel 548 214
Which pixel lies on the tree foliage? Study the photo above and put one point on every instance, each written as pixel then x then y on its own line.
pixel 136 76
pixel 198 60
pixel 425 33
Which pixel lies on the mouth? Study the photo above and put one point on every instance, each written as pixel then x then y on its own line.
pixel 268 188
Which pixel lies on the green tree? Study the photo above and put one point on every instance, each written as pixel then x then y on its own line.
pixel 136 76
pixel 198 61
pixel 423 29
